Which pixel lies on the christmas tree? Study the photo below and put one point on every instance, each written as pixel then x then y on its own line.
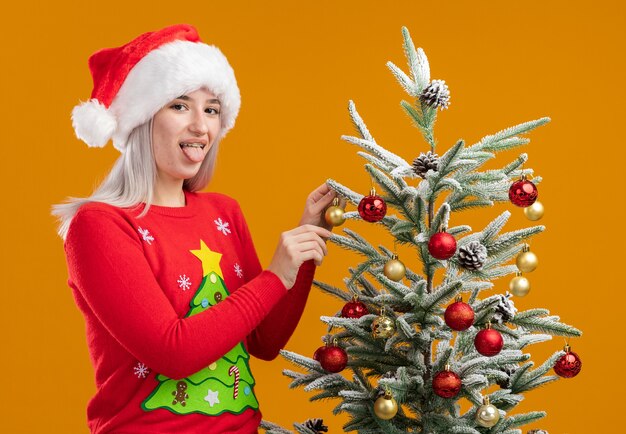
pixel 406 348
pixel 225 385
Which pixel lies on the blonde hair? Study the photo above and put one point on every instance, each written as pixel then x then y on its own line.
pixel 131 180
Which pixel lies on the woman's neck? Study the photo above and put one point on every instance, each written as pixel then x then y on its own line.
pixel 171 195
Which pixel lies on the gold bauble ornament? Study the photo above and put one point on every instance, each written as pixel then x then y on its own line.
pixel 386 407
pixel 534 212
pixel 383 326
pixel 526 261
pixel 487 414
pixel 394 269
pixel 519 285
pixel 334 214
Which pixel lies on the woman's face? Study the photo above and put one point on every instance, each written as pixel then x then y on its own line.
pixel 183 131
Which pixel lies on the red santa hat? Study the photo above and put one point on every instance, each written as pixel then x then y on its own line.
pixel 132 82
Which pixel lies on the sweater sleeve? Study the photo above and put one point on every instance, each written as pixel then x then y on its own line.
pixel 107 265
pixel 273 333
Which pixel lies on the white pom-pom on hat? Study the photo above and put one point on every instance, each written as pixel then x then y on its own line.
pixel 93 123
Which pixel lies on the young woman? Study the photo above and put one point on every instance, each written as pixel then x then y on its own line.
pixel 167 278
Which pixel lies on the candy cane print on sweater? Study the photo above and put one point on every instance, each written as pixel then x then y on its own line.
pixel 235 370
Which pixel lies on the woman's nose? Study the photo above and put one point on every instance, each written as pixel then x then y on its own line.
pixel 199 123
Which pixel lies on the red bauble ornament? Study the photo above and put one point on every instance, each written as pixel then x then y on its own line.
pixel 354 309
pixel 488 342
pixel 317 354
pixel 459 316
pixel 442 245
pixel 333 358
pixel 372 208
pixel 569 365
pixel 523 193
pixel 446 383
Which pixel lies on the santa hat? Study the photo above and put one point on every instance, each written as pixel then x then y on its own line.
pixel 132 82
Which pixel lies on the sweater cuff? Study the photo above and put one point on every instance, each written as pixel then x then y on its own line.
pixel 272 285
pixel 307 269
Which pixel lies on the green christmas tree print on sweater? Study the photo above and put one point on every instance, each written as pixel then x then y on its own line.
pixel 223 386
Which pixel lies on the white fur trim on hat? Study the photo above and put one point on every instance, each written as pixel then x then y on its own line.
pixel 168 72
pixel 93 123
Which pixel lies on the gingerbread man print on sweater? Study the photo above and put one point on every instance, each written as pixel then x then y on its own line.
pixel 180 395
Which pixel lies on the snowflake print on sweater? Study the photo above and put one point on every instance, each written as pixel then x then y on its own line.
pixel 145 234
pixel 222 226
pixel 141 370
pixel 238 271
pixel 184 282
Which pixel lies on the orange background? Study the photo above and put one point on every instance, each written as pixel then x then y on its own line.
pixel 298 64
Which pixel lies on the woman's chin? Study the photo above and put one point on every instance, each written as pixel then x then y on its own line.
pixel 186 173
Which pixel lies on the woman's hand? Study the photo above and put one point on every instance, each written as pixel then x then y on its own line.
pixel 316 205
pixel 308 240
pixel 295 247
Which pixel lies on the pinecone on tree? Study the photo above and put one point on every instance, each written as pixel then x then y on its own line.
pixel 508 370
pixel 316 425
pixel 436 94
pixel 473 255
pixel 425 162
pixel 537 431
pixel 505 310
pixel 389 374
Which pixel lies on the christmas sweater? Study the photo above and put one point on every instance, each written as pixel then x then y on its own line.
pixel 174 302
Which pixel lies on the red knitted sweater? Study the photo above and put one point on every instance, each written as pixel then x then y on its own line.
pixel 166 297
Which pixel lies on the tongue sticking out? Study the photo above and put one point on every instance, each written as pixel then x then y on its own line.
pixel 194 154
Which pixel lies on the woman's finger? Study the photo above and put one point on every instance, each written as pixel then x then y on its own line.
pixel 319 192
pixel 323 200
pixel 311 244
pixel 313 254
pixel 304 237
pixel 319 207
pixel 309 237
pixel 324 233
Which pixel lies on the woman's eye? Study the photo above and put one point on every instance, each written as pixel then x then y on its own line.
pixel 178 107
pixel 212 111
